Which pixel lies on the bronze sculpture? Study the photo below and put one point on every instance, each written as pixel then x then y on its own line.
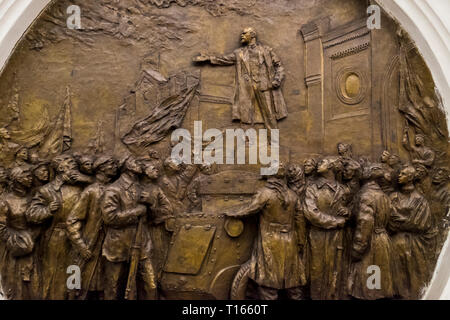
pixel 296 179
pixel 7 147
pixel 440 203
pixel 276 262
pixel 388 181
pixel 18 261
pixel 85 227
pixel 3 180
pixel 411 223
pixel 147 226
pixel 175 182
pixel 195 202
pixel 41 173
pixel 371 243
pixel 259 74
pixel 327 214
pixel 421 153
pixel 49 208
pixel 160 211
pixel 122 214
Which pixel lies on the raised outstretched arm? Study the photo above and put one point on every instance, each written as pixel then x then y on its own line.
pixel 258 202
pixel 223 60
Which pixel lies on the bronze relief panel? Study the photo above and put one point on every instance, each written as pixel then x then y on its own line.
pixel 204 149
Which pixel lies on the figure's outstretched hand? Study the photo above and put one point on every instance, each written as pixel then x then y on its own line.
pixel 202 57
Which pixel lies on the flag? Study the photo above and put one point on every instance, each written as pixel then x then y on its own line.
pixel 59 139
pixel 167 116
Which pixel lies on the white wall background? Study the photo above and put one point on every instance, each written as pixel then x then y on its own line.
pixel 427 22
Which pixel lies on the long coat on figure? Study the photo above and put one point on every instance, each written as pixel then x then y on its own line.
pixel 18 271
pixel 326 254
pixel 276 261
pixel 54 244
pixel 257 66
pixel 85 225
pixel 371 244
pixel 413 232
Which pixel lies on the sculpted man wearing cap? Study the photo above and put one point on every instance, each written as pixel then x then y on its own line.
pixel 259 75
pixel 159 211
pixel 122 214
pixel 41 173
pixel 85 228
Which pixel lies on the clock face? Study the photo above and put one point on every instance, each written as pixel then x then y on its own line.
pixel 238 147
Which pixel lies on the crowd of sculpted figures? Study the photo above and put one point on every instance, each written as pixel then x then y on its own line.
pixel 334 217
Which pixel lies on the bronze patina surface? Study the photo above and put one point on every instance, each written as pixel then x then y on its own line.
pixel 359 205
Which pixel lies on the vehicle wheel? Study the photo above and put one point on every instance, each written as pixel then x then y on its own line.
pixel 240 283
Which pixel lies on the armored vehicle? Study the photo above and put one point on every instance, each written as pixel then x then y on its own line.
pixel 208 251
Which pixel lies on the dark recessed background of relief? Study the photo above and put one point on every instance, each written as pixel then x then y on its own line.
pixel 343 83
